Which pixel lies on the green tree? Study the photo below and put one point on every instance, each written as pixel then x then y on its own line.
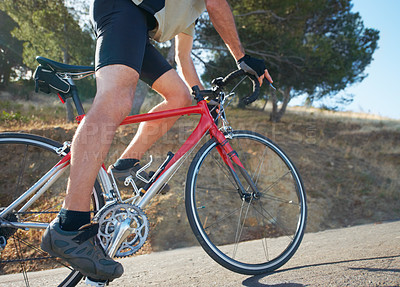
pixel 313 47
pixel 48 28
pixel 10 50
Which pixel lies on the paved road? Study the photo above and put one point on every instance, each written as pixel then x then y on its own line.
pixel 367 255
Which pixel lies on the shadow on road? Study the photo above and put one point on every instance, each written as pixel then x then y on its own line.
pixel 255 280
pixel 258 284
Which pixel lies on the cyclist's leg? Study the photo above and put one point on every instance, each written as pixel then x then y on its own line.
pixel 170 86
pixel 119 56
pixel 92 140
pixel 175 96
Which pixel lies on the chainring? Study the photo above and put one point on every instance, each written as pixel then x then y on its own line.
pixel 110 216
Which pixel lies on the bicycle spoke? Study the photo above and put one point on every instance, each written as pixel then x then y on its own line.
pixel 259 168
pixel 247 165
pixel 21 171
pixel 278 199
pixel 207 188
pixel 263 236
pixel 273 184
pixel 237 233
pixel 244 160
pixel 22 263
pixel 20 240
pixel 239 228
pixel 274 222
pixel 221 219
pixel 225 171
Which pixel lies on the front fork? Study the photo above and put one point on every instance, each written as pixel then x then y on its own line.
pixel 232 161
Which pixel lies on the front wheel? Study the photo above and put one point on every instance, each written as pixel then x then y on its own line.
pixel 254 235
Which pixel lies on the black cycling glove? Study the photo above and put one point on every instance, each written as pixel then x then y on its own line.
pixel 251 65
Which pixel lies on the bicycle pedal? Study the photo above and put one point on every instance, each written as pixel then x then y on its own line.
pixel 93 282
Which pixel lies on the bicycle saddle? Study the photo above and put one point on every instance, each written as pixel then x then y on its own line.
pixel 63 68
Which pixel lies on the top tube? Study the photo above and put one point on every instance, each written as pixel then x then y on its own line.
pixel 198 109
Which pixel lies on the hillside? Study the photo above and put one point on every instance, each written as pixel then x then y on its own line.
pixel 350 165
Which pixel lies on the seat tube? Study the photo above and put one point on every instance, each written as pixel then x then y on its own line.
pixel 76 99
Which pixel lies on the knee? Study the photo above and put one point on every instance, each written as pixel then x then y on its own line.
pixel 186 99
pixel 111 105
pixel 183 100
pixel 178 99
pixel 116 85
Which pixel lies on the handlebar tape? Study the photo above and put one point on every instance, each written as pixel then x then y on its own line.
pixel 256 86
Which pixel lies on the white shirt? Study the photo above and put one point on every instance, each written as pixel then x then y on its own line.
pixel 173 16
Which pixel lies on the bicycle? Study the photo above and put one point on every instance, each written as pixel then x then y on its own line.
pixel 250 216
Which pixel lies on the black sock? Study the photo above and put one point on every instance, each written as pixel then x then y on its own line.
pixel 71 220
pixel 125 163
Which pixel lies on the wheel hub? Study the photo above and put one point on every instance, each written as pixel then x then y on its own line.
pixel 7 232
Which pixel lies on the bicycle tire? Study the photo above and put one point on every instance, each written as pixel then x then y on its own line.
pixel 248 237
pixel 31 156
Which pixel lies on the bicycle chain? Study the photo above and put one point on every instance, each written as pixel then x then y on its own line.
pixel 28 259
pixel 43 212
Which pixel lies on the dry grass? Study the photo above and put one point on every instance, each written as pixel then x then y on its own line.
pixel 38 112
pixel 337 114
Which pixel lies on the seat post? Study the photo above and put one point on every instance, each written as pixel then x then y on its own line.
pixel 75 98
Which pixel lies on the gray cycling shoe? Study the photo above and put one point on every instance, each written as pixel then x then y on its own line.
pixel 79 249
pixel 121 175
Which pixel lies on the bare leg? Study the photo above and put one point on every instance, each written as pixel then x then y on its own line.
pixel 176 95
pixel 116 86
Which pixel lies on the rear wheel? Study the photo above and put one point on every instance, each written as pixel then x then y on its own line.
pixel 24 160
pixel 254 235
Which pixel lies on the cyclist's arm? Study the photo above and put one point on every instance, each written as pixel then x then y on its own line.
pixel 183 49
pixel 222 18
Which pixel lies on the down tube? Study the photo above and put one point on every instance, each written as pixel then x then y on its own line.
pixel 190 143
pixel 204 124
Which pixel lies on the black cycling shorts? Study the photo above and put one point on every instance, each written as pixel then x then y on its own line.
pixel 121 30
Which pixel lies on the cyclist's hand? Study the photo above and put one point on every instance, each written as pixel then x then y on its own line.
pixel 255 67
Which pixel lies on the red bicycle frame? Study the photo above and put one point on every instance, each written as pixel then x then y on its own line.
pixel 206 123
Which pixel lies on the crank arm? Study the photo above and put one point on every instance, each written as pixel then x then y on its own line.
pixel 122 231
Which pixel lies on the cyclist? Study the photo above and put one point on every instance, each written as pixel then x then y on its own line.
pixel 123 55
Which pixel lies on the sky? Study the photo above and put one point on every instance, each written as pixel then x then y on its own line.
pixel 378 93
